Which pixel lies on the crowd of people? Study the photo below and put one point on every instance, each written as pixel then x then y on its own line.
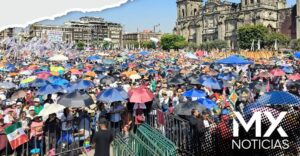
pixel 60 101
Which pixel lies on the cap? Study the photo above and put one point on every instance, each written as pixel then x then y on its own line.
pixel 31 108
pixel 36 100
pixel 19 103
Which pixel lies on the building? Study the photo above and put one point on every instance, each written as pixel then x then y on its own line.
pixel 131 39
pixel 54 33
pixel 9 32
pixel 87 30
pixel 298 19
pixel 200 22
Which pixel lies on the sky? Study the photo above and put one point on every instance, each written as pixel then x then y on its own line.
pixel 136 15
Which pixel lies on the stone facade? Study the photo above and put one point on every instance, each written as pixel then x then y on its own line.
pixel 129 39
pixel 216 19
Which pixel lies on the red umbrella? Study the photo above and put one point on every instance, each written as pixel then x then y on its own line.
pixel 277 72
pixel 294 77
pixel 43 75
pixel 140 95
pixel 200 53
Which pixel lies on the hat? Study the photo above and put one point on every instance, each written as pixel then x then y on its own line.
pixel 19 103
pixel 31 108
pixel 36 100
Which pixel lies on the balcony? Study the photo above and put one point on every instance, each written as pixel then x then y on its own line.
pixel 210 31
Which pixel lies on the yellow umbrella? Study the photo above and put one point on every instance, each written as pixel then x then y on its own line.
pixel 90 73
pixel 28 80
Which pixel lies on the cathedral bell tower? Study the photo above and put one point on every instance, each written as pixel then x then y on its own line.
pixel 188 8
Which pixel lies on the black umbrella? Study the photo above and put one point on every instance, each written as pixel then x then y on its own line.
pixel 76 99
pixel 107 80
pixel 193 79
pixel 186 108
pixel 176 81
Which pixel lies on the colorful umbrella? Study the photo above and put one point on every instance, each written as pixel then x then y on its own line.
pixel 193 93
pixel 140 95
pixel 112 95
pixel 277 72
pixel 84 84
pixel 49 89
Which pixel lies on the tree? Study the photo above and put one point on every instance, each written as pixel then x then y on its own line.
pixel 248 33
pixel 148 45
pixel 106 45
pixel 172 41
pixel 80 45
pixel 215 44
pixel 271 37
pixel 295 44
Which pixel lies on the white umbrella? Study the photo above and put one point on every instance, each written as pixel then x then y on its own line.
pixel 58 58
pixel 50 109
pixel 135 76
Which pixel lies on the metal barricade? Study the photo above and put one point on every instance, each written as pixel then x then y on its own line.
pixel 140 147
pixel 121 147
pixel 156 140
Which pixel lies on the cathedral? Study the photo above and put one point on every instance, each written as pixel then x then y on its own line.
pixel 219 19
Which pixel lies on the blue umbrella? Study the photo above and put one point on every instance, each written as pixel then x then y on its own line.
pixel 49 89
pixel 144 53
pixel 227 76
pixel 10 67
pixel 278 98
pixel 288 69
pixel 152 71
pixel 112 95
pixel 194 93
pixel 297 54
pixel 52 79
pixel 208 103
pixel 39 83
pixel 212 83
pixel 69 87
pixel 84 84
pixel 234 60
pixel 108 61
pixel 93 58
pixel 203 78
pixel 60 82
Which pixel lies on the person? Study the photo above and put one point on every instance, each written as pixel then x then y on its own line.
pixel 52 131
pixel 37 106
pixel 198 128
pixel 102 139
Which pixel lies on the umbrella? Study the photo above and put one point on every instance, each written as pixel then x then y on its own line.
pixel 69 88
pixel 107 80
pixel 112 95
pixel 51 109
pixel 235 60
pixel 28 80
pixel 18 94
pixel 294 77
pixel 193 79
pixel 211 83
pixel 176 81
pixel 135 77
pixel 186 108
pixel 75 72
pixel 297 55
pixel 194 93
pixel 7 85
pixel 49 89
pixel 144 53
pixel 191 56
pixel 278 98
pixel 208 103
pixel 26 72
pixel 277 72
pixel 84 84
pixel 60 82
pixel 108 62
pixel 39 83
pixel 43 75
pixel 140 95
pixel 265 75
pixel 93 58
pixel 90 74
pixel 76 99
pixel 58 58
pixel 288 69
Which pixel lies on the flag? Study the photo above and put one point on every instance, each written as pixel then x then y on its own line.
pixel 268 86
pixel 233 97
pixel 16 135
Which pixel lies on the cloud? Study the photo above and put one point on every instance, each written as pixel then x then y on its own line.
pixel 20 13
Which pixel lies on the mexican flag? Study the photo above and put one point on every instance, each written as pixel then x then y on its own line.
pixel 16 135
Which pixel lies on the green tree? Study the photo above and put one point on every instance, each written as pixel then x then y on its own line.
pixel 271 37
pixel 295 44
pixel 148 44
pixel 248 33
pixel 106 45
pixel 80 45
pixel 172 41
pixel 215 44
